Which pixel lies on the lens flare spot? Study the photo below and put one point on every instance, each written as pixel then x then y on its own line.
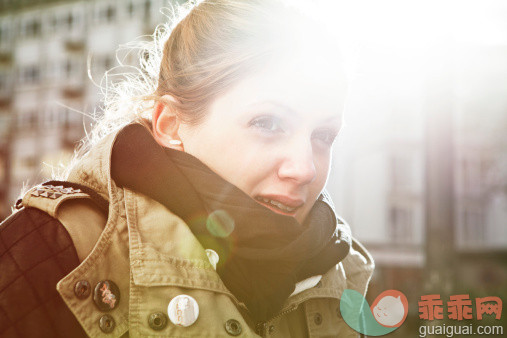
pixel 220 223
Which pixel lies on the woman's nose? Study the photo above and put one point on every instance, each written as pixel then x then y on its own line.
pixel 298 164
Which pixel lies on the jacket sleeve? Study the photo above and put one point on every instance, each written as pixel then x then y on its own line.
pixel 36 251
pixel 359 267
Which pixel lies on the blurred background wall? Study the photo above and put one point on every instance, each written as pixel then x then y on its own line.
pixel 419 171
pixel 421 166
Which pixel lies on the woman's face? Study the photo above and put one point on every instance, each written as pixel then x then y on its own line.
pixel 271 134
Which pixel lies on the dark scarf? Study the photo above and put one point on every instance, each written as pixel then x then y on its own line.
pixel 262 254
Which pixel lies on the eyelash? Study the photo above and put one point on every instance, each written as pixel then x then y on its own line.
pixel 272 124
pixel 267 123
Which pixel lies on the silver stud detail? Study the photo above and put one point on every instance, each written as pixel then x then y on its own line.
pixel 53 192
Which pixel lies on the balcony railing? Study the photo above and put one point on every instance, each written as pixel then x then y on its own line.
pixel 73 91
pixel 5 58
pixel 5 100
pixel 74 45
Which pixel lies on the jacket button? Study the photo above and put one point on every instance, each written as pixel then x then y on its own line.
pixel 157 321
pixel 317 319
pixel 183 310
pixel 271 329
pixel 106 323
pixel 233 327
pixel 213 257
pixel 82 289
pixel 106 295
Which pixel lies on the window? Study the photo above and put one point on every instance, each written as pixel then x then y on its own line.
pixel 52 69
pixel 29 74
pixel 53 23
pixel 72 68
pixel 32 28
pixel 401 168
pixel 471 176
pixel 105 13
pixel 46 117
pixel 29 162
pixel 21 121
pixel 32 119
pixel 102 63
pixel 68 68
pixel 63 117
pixel 130 9
pixel 401 225
pixel 33 74
pixel 147 8
pixel 51 116
pixel 27 119
pixel 5 32
pixel 70 21
pixel 108 62
pixel 3 82
pixel 473 227
pixel 110 13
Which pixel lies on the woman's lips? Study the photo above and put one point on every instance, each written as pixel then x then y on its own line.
pixel 280 204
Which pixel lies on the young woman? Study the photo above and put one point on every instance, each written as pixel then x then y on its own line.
pixel 202 214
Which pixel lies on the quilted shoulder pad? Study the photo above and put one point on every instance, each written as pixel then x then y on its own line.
pixel 35 253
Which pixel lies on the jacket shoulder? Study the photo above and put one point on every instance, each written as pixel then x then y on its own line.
pixel 30 236
pixel 81 210
pixel 359 266
pixel 36 251
pixel 51 195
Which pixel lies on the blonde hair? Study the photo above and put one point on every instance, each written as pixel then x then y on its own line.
pixel 204 49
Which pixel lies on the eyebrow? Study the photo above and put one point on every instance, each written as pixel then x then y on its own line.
pixel 287 110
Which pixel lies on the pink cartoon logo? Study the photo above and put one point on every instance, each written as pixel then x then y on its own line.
pixel 390 308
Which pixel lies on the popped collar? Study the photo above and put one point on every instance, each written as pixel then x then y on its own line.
pixel 152 256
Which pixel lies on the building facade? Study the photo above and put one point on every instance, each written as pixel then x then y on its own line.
pixel 48 52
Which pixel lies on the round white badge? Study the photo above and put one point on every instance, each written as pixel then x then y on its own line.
pixel 183 310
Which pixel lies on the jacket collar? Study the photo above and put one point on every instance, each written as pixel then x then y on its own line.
pixel 148 249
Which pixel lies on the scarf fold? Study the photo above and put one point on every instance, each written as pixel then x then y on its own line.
pixel 262 254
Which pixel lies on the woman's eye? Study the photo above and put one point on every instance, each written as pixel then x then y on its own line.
pixel 267 123
pixel 326 136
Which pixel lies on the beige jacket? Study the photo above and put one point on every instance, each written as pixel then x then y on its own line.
pixel 152 256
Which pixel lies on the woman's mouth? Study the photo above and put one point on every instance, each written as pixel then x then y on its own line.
pixel 288 208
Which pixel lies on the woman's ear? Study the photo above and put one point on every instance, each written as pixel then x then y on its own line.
pixel 166 123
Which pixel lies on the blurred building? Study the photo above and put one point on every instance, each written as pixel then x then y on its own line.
pixel 378 179
pixel 481 165
pixel 45 92
pixel 380 183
